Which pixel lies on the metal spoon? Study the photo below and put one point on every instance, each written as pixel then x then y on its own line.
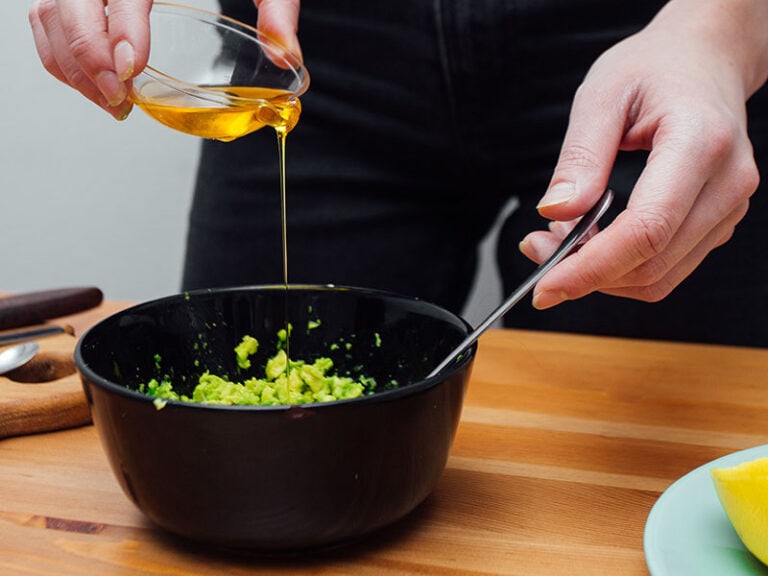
pixel 15 356
pixel 566 247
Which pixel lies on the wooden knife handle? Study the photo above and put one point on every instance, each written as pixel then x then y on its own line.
pixel 36 307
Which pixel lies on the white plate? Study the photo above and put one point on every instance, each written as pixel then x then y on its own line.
pixel 688 532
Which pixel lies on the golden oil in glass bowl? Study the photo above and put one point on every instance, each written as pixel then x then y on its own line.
pixel 235 112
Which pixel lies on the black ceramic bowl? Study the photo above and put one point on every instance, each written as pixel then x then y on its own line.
pixel 282 478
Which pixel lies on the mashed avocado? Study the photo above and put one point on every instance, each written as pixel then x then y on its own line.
pixel 246 348
pixel 284 382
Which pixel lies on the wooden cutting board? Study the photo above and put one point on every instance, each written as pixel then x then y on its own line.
pixel 45 394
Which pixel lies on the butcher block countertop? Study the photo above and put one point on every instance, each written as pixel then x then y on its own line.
pixel 565 444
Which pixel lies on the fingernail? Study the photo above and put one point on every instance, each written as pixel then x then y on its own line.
pixel 121 112
pixel 548 299
pixel 560 193
pixel 110 86
pixel 124 114
pixel 527 248
pixel 295 49
pixel 124 60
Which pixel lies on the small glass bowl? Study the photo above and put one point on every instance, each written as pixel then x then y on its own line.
pixel 215 77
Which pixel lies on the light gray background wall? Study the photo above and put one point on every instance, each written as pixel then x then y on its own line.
pixel 87 200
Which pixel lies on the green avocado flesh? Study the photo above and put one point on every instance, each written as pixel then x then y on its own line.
pixel 283 382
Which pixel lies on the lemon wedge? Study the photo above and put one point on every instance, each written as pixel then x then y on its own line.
pixel 743 493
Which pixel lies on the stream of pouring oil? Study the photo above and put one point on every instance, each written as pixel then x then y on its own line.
pixel 269 107
pixel 282 132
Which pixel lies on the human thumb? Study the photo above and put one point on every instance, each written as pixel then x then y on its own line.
pixel 279 19
pixel 586 158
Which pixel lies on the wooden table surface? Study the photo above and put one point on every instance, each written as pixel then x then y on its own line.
pixel 565 444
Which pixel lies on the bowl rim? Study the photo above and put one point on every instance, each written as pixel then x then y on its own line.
pixel 87 373
pixel 294 62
